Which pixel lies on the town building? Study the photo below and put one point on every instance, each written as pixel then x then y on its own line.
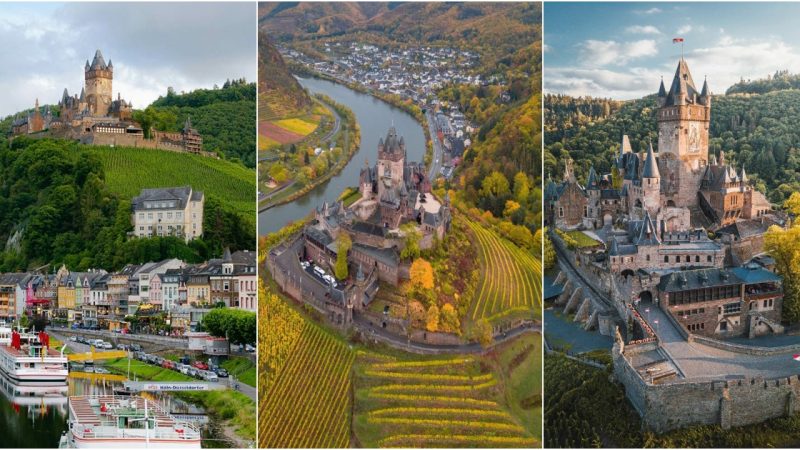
pixel 174 211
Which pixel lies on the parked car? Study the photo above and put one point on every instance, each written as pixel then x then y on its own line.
pixel 209 376
pixel 73 338
pixel 222 373
pixel 185 360
pixel 200 365
pixel 167 364
pixel 101 370
pixel 122 347
pixel 136 347
pixel 108 345
pixel 193 372
pixel 249 348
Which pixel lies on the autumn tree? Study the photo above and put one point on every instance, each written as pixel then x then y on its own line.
pixel 549 252
pixel 343 246
pixel 421 274
pixel 483 333
pixel 432 319
pixel 792 204
pixel 448 319
pixel 511 208
pixel 411 240
pixel 495 185
pixel 521 188
pixel 784 246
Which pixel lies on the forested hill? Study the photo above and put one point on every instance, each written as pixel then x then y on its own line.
pixel 780 81
pixel 62 202
pixel 757 131
pixel 225 117
pixel 496 30
pixel 280 95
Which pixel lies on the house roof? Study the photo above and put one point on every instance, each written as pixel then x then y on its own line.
pixel 698 278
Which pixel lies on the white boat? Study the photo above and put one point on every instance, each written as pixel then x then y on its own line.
pixel 26 357
pixel 125 422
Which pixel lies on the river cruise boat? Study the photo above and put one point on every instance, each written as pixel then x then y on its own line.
pixel 26 357
pixel 125 422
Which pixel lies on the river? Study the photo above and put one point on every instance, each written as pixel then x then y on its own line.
pixel 375 117
pixel 35 417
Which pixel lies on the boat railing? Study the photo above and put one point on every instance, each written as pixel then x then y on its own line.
pixel 177 431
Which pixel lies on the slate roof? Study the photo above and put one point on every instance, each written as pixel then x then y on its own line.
pixel 743 229
pixel 698 278
pixel 180 194
pixel 387 256
pixel 682 90
pixel 753 273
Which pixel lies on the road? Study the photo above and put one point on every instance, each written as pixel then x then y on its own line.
pixel 178 343
pixel 438 153
pixel 697 361
pixel 400 342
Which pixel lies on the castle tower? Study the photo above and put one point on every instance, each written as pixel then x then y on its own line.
pixel 391 161
pixel 37 121
pixel 651 183
pixel 98 77
pixel 683 119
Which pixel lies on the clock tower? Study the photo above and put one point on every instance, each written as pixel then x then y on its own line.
pixel 683 119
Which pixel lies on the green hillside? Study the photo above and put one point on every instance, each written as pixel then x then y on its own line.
pixel 64 203
pixel 279 94
pixel 128 170
pixel 225 117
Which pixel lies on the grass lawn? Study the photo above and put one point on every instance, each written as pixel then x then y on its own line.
pixel 521 364
pixel 582 239
pixel 242 368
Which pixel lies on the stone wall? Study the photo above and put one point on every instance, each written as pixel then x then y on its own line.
pixel 728 403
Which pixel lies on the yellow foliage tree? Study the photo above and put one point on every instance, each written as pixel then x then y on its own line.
pixel 792 204
pixel 432 320
pixel 483 333
pixel 784 246
pixel 421 274
pixel 511 208
pixel 448 319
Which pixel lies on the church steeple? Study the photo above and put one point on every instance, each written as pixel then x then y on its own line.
pixel 650 166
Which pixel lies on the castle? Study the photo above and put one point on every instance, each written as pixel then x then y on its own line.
pixel 392 194
pixel 95 117
pixel 654 213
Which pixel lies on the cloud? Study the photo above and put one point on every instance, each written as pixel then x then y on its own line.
pixel 546 48
pixel 596 53
pixel 684 29
pixel 642 29
pixel 153 46
pixel 619 84
pixel 647 12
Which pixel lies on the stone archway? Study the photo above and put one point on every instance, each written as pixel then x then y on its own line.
pixel 607 220
pixel 627 273
pixel 670 204
pixel 646 297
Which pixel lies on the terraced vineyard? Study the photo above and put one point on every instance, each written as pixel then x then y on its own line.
pixel 307 403
pixel 128 170
pixel 512 282
pixel 444 402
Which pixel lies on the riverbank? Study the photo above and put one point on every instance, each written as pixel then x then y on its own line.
pixel 394 100
pixel 351 125
pixel 234 410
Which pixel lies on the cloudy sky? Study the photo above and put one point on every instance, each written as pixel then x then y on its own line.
pixel 621 50
pixel 43 48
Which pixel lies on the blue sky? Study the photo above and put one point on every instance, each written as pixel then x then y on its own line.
pixel 621 50
pixel 153 46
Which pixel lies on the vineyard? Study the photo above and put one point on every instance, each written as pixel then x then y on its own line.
pixel 443 402
pixel 512 281
pixel 128 170
pixel 304 381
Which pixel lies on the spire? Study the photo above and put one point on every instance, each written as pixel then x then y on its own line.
pixel 626 145
pixel 721 158
pixel 37 104
pixel 188 124
pixel 83 94
pixel 662 92
pixel 98 62
pixel 743 176
pixel 650 166
pixel 705 92
pixel 647 234
pixel 226 255
pixel 592 183
pixel 86 68
pixel 682 88
pixel 110 65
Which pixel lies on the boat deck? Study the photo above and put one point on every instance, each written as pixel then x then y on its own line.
pixel 83 412
pixel 23 352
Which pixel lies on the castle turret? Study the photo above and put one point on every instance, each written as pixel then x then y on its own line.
pixel 651 183
pixel 662 94
pixel 705 94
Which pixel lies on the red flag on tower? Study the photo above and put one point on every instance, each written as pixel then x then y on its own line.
pixel 676 40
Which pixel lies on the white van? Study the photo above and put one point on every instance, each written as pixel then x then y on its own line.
pixel 319 271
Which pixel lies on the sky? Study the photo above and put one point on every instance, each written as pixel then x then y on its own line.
pixel 621 50
pixel 44 46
